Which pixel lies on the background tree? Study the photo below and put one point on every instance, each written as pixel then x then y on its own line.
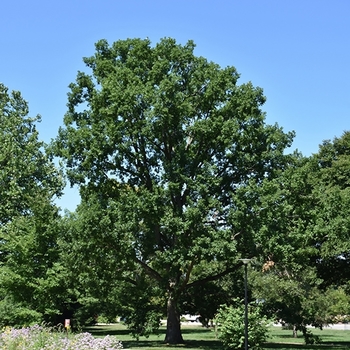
pixel 308 205
pixel 332 229
pixel 28 218
pixel 163 140
pixel 293 298
pixel 26 171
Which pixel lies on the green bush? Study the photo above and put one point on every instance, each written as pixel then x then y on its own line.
pixel 231 326
pixel 16 315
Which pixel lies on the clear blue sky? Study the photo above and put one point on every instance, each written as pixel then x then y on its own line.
pixel 298 51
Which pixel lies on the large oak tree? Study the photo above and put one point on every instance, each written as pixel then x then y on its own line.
pixel 166 142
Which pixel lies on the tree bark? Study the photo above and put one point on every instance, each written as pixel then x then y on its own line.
pixel 295 332
pixel 173 328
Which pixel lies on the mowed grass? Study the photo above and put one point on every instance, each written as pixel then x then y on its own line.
pixel 199 338
pixel 330 339
pixel 195 337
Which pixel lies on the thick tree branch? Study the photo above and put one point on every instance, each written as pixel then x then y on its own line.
pixel 187 276
pixel 214 277
pixel 149 271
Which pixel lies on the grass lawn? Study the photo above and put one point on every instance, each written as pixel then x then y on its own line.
pixel 199 338
pixel 331 339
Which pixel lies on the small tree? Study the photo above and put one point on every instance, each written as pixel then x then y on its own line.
pixel 293 298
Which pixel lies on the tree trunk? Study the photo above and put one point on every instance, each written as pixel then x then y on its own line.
pixel 295 332
pixel 173 328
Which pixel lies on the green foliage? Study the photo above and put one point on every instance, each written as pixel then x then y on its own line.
pixel 308 205
pixel 331 231
pixel 310 337
pixel 28 218
pixel 285 214
pixel 32 272
pixel 339 307
pixel 27 175
pixel 292 297
pixel 204 299
pixel 143 322
pixel 231 326
pixel 17 315
pixel 166 148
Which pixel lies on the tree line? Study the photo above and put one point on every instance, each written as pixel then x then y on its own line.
pixel 180 176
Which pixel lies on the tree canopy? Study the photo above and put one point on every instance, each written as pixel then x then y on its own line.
pixel 309 204
pixel 180 177
pixel 28 217
pixel 162 144
pixel 26 171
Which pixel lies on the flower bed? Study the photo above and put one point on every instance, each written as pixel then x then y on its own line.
pixel 44 338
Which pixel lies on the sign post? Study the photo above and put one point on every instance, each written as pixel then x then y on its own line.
pixel 67 324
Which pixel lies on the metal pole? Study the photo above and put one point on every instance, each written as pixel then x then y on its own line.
pixel 245 307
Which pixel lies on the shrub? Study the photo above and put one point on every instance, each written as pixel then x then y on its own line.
pixel 231 326
pixel 16 315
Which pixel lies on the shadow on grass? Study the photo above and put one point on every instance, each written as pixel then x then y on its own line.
pixel 288 336
pixel 333 344
pixel 191 344
pixel 190 331
pixel 157 341
pixel 128 342
pixel 112 330
pixel 102 331
pixel 216 345
pixel 323 345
